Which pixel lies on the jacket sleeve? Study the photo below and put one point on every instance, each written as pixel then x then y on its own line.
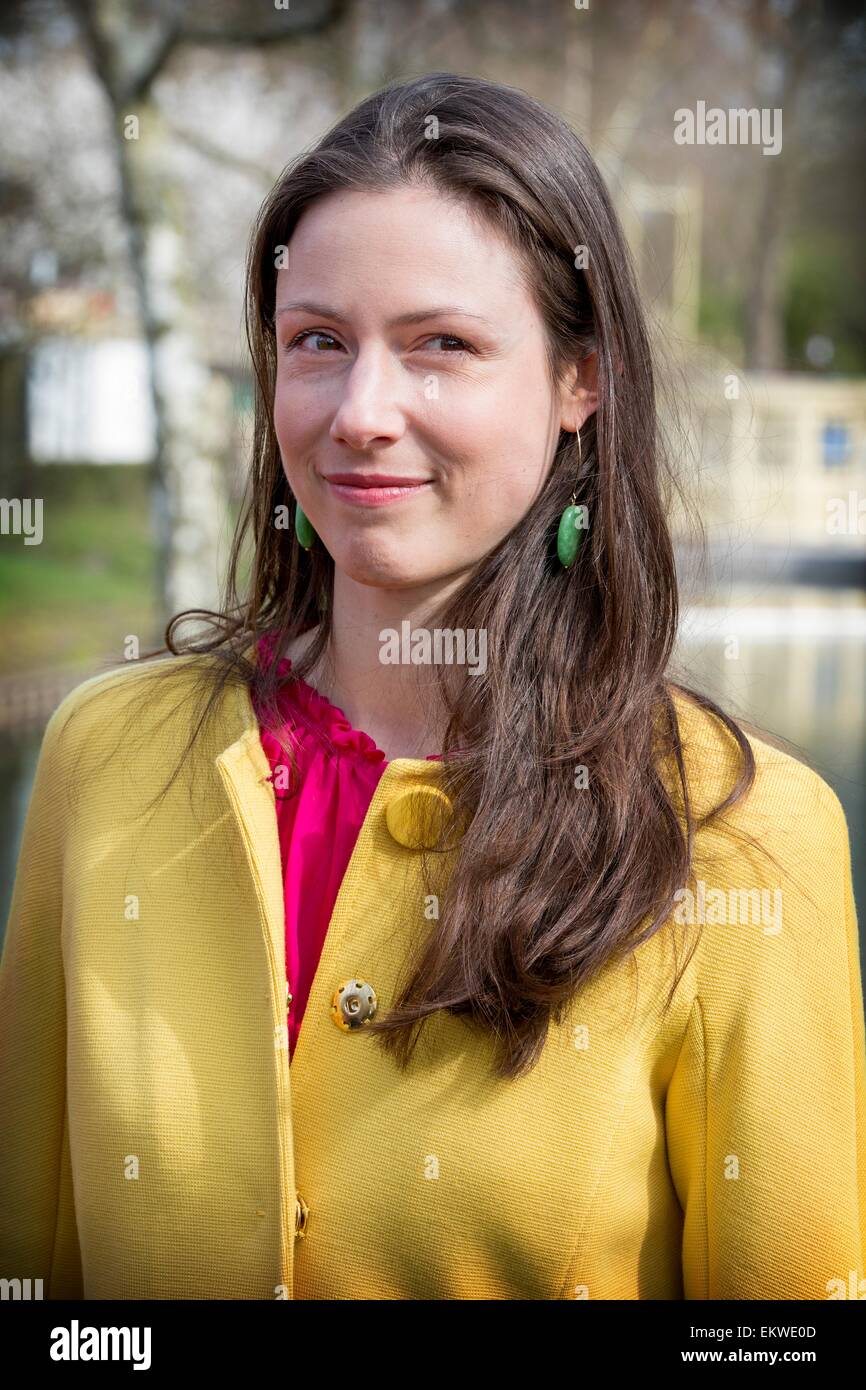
pixel 38 1236
pixel 766 1108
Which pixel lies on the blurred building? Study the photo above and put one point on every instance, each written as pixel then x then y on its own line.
pixel 75 388
pixel 783 472
pixel 89 401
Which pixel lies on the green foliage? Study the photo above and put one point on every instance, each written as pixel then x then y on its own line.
pixel 824 295
pixel 720 318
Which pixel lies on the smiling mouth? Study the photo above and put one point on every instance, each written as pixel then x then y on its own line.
pixel 374 489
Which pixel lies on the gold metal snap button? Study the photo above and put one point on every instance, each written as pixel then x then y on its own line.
pixel 354 1004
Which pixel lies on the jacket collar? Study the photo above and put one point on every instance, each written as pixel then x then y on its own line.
pixel 242 728
pixel 409 787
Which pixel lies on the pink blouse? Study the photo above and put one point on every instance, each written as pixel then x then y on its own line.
pixel 319 815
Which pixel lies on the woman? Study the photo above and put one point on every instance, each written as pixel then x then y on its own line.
pixel 429 781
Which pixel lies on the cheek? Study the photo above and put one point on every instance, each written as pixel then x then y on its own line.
pixel 505 483
pixel 288 422
pixel 281 414
pixel 502 438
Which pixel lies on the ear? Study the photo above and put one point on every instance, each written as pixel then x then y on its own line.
pixel 578 393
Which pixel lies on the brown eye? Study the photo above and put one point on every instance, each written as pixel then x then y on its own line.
pixel 449 338
pixel 308 333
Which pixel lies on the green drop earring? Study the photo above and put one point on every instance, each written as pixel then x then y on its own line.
pixel 568 535
pixel 303 530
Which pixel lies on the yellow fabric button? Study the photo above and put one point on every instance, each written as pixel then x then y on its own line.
pixel 415 816
pixel 354 1004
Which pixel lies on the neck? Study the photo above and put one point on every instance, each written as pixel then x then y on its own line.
pixel 398 705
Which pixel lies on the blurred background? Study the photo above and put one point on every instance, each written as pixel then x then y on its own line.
pixel 139 141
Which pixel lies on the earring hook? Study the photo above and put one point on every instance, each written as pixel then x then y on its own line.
pixel 579 468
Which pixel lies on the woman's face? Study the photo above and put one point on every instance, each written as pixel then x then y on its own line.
pixel 410 355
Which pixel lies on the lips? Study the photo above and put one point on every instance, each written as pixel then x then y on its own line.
pixel 373 480
pixel 375 489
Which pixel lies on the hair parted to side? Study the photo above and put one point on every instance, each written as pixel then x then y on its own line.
pixel 548 882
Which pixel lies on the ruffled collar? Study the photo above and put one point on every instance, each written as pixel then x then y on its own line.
pixel 302 706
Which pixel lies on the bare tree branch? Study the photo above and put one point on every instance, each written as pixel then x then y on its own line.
pixel 101 54
pixel 260 173
pixel 140 84
pixel 295 24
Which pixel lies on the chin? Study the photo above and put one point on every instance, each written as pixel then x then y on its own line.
pixel 379 565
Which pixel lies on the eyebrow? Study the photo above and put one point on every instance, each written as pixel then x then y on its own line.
pixel 325 311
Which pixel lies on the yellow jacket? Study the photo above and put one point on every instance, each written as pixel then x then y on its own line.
pixel 156 1142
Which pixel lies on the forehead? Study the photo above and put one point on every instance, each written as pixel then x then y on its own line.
pixel 411 242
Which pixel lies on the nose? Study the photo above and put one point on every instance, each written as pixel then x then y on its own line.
pixel 371 406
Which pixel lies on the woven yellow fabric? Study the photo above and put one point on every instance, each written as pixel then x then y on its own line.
pixel 155 1136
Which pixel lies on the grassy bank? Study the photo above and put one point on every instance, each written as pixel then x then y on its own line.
pixel 75 596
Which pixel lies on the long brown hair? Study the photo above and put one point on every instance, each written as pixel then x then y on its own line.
pixel 548 882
